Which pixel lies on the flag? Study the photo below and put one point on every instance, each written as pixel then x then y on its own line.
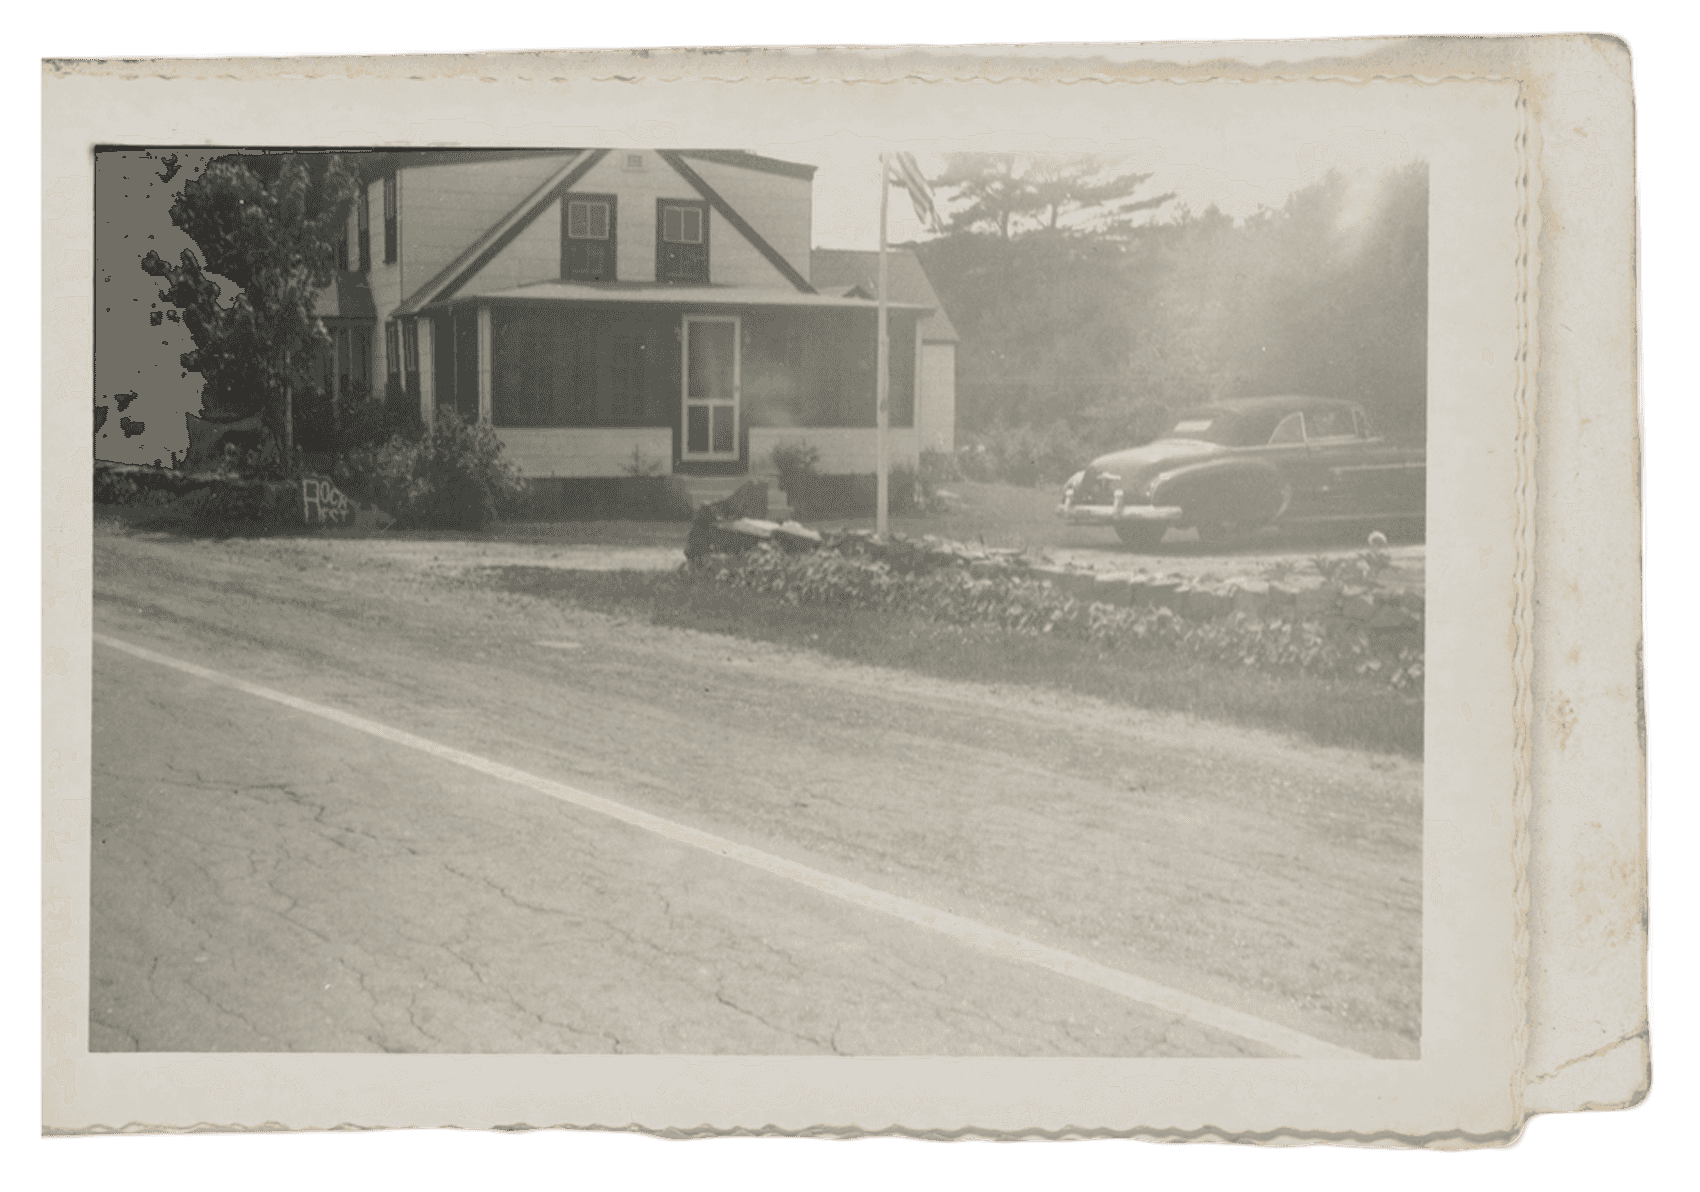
pixel 908 175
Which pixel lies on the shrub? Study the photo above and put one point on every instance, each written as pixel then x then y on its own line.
pixel 452 477
pixel 819 497
pixel 938 467
pixel 126 485
pixel 229 504
pixel 796 463
pixel 114 488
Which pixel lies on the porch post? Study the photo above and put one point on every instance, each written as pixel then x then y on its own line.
pixel 882 390
pixel 484 340
pixel 425 337
pixel 915 413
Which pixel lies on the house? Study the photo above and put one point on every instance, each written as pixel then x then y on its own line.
pixel 635 310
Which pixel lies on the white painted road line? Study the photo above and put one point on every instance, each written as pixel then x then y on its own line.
pixel 999 943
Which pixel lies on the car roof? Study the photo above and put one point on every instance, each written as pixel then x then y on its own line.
pixel 1263 405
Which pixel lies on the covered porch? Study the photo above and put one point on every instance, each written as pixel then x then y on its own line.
pixel 588 380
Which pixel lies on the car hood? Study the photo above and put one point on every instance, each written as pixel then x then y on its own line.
pixel 1136 460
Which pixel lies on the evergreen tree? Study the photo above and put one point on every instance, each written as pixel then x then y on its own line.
pixel 1012 192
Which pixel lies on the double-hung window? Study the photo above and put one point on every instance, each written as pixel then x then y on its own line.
pixel 410 356
pixel 391 211
pixel 681 241
pixel 588 238
pixel 363 226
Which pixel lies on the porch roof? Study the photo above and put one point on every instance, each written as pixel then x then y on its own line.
pixel 665 294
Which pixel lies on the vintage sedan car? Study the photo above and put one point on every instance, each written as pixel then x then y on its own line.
pixel 1235 465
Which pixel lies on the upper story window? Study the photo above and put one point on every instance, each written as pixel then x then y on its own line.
pixel 634 161
pixel 588 237
pixel 681 241
pixel 363 226
pixel 392 203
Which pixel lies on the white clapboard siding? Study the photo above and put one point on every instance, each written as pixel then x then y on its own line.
pixel 938 400
pixel 843 450
pixel 587 451
pixel 446 207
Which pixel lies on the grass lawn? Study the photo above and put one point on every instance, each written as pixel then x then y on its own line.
pixel 1351 713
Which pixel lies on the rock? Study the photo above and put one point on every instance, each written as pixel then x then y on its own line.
pixel 753 526
pixel 710 535
pixel 794 536
pixel 1281 595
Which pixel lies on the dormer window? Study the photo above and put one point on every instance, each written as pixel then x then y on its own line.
pixel 681 241
pixel 588 238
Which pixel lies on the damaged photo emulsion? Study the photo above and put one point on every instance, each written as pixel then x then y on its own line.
pixel 695 602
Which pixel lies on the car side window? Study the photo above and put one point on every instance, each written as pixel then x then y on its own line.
pixel 1334 423
pixel 1290 430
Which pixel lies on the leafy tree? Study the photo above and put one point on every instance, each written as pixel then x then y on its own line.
pixel 1003 191
pixel 268 223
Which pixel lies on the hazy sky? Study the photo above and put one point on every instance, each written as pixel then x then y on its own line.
pixel 132 206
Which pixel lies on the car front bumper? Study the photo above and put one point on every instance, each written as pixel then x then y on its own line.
pixel 1107 515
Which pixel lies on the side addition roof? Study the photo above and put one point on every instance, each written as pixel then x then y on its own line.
pixel 347 297
pixel 854 273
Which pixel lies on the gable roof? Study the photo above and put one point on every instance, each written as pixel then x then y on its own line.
pixel 499 235
pixel 502 233
pixel 852 272
pixel 372 164
pixel 752 161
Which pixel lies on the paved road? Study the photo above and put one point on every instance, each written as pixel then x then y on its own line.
pixel 266 878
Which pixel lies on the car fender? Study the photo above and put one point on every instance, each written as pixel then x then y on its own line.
pixel 1232 491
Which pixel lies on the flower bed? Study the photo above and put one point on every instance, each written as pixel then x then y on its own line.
pixel 1326 629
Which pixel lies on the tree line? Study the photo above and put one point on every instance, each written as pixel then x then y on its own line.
pixel 1079 321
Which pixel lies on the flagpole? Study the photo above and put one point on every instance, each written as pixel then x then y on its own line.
pixel 882 391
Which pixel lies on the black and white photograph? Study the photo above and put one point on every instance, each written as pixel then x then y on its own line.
pixel 887 586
